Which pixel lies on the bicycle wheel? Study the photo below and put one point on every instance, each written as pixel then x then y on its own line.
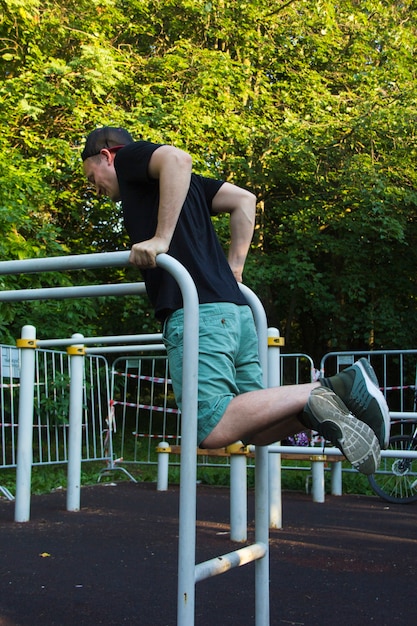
pixel 396 479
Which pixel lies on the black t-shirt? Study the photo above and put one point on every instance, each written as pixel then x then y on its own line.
pixel 194 244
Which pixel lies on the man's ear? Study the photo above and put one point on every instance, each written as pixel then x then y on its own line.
pixel 108 155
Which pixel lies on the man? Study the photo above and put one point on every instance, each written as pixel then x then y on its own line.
pixel 167 209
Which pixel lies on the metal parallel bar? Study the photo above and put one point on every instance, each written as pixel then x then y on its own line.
pixel 222 564
pixel 64 263
pixel 65 293
pixel 188 479
pixel 319 451
pixel 153 347
pixel 89 341
pixel 123 338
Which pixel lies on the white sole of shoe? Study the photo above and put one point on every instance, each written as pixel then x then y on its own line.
pixel 357 440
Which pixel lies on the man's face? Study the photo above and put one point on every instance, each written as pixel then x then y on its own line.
pixel 100 173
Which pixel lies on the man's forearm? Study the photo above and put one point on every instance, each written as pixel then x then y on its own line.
pixel 242 222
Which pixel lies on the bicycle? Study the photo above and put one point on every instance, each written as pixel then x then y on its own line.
pixel 396 479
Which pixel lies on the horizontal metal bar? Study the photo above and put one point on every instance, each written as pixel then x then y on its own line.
pixel 90 341
pixel 404 415
pixel 84 291
pixel 396 454
pixel 150 347
pixel 63 263
pixel 123 339
pixel 222 564
pixel 318 451
pixel 305 450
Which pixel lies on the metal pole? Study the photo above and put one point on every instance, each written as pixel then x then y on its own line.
pixel 64 263
pixel 336 478
pixel 238 497
pixel 261 476
pixel 393 454
pixel 76 353
pixel 65 293
pixel 224 563
pixel 317 473
pixel 163 451
pixel 188 479
pixel 275 484
pixel 25 430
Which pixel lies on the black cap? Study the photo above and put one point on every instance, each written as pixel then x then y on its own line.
pixel 105 137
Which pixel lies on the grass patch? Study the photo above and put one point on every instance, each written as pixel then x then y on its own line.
pixel 51 477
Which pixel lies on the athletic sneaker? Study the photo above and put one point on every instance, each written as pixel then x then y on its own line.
pixel 326 413
pixel 358 388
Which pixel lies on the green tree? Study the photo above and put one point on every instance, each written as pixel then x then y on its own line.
pixel 310 104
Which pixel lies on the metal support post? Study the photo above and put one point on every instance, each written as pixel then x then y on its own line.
pixel 238 492
pixel 76 353
pixel 27 344
pixel 261 476
pixel 274 380
pixel 188 479
pixel 317 470
pixel 336 478
pixel 163 451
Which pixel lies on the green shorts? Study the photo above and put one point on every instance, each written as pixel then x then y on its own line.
pixel 228 362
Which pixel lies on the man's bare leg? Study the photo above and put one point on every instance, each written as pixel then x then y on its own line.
pixel 268 415
pixel 261 417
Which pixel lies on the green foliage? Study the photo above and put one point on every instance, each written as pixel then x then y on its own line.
pixel 53 406
pixel 312 105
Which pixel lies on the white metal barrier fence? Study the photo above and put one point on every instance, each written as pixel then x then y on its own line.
pixel 141 407
pixel 396 371
pixel 145 412
pixel 142 400
pixel 51 407
pixel 122 427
